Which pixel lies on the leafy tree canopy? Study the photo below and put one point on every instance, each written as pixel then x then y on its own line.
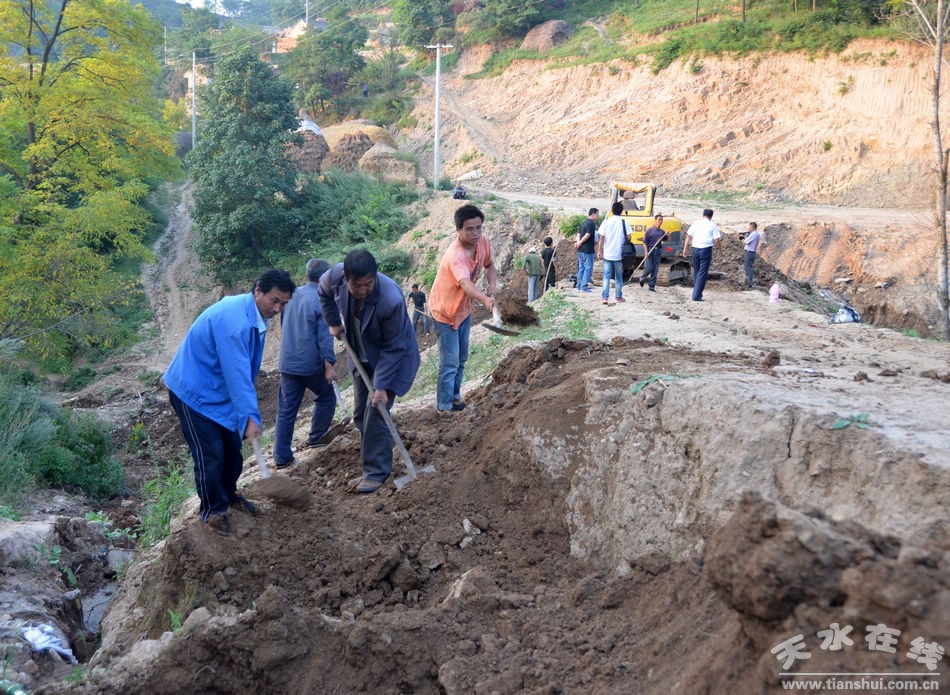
pixel 244 181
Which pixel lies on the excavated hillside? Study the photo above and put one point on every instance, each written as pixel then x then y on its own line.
pixel 669 496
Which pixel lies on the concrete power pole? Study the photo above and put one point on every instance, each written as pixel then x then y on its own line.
pixel 438 111
pixel 194 100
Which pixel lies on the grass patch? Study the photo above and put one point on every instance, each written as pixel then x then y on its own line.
pixel 166 493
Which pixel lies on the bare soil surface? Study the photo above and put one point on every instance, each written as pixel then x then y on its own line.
pixel 656 508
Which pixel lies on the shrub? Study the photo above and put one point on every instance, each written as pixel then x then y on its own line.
pixel 80 457
pixel 41 442
pixel 571 225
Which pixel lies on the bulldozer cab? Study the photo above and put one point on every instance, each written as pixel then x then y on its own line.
pixel 637 199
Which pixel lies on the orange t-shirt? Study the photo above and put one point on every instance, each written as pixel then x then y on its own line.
pixel 447 301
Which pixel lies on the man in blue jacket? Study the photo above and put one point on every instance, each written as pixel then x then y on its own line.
pixel 211 387
pixel 306 362
pixel 367 309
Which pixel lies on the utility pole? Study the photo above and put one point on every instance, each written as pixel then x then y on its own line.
pixel 194 100
pixel 438 111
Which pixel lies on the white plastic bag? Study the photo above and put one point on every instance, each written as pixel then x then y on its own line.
pixel 846 314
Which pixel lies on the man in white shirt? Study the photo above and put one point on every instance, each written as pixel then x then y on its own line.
pixel 702 235
pixel 610 248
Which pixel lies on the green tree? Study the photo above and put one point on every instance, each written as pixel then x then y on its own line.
pixel 195 35
pixel 500 19
pixel 80 131
pixel 244 181
pixel 419 20
pixel 331 59
pixel 77 111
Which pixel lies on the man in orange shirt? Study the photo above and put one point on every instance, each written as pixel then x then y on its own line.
pixel 451 301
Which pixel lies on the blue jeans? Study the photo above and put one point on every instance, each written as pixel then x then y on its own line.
pixel 289 396
pixel 217 456
pixel 532 287
pixel 453 354
pixel 376 442
pixel 748 262
pixel 702 258
pixel 418 316
pixel 651 267
pixel 585 269
pixel 614 270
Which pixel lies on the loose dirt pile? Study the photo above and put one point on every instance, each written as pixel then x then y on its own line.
pixel 584 532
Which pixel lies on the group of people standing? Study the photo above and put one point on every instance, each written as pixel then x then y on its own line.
pixel 607 244
pixel 211 378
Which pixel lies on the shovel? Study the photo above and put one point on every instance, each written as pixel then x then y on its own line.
pixel 413 473
pixel 279 488
pixel 496 325
pixel 339 427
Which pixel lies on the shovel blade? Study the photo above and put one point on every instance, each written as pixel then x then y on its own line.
pixel 402 481
pixel 499 329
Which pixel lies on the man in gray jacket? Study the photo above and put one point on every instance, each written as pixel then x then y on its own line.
pixel 306 362
pixel 367 309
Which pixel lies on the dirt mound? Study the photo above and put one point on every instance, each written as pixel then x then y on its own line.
pixel 562 549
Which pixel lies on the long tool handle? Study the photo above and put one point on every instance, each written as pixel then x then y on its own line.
pixel 259 456
pixel 381 407
pixel 339 399
pixel 637 269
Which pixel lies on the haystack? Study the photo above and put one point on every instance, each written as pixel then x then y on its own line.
pixel 348 151
pixel 309 156
pixel 381 160
pixel 334 133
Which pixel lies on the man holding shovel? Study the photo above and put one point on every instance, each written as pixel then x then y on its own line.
pixel 654 254
pixel 306 362
pixel 366 309
pixel 451 301
pixel 211 387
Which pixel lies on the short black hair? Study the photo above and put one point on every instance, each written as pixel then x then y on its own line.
pixel 276 277
pixel 465 213
pixel 753 225
pixel 415 285
pixel 617 208
pixel 592 211
pixel 548 241
pixel 315 268
pixel 708 213
pixel 359 263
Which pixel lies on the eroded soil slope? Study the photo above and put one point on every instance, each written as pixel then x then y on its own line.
pixel 576 537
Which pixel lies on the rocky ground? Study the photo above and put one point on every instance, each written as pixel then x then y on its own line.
pixel 667 497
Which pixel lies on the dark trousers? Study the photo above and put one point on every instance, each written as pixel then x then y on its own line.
pixel 748 261
pixel 289 396
pixel 216 452
pixel 376 442
pixel 702 258
pixel 419 317
pixel 651 267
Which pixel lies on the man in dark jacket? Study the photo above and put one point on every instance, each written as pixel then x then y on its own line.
pixel 367 309
pixel 652 241
pixel 306 362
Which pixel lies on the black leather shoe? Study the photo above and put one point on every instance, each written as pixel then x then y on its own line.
pixel 458 405
pixel 220 524
pixel 243 504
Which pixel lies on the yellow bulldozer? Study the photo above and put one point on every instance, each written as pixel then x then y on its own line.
pixel 638 201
